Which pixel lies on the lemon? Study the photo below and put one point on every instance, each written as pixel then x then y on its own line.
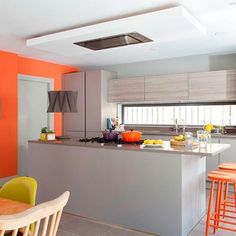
pixel 158 141
pixel 179 138
pixel 147 141
pixel 153 141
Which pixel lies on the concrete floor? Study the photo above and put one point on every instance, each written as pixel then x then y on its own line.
pixel 71 225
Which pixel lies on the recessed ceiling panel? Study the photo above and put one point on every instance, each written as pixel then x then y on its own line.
pixel 164 26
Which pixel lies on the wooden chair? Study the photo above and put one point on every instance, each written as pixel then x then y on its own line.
pixel 46 215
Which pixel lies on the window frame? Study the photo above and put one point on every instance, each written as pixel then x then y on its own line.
pixel 169 104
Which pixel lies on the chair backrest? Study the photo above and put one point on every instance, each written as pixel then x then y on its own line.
pixel 46 217
pixel 22 189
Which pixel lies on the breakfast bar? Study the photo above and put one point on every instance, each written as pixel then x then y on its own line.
pixel 158 190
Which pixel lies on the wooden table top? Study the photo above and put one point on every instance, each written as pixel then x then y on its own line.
pixel 9 207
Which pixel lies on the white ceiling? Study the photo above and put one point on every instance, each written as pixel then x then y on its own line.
pixel 24 19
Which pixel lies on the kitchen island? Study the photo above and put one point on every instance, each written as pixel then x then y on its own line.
pixel 156 190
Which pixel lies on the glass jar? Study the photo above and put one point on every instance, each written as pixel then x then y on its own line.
pixel 203 138
pixel 188 139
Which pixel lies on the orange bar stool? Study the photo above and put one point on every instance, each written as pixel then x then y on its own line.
pixel 218 214
pixel 229 167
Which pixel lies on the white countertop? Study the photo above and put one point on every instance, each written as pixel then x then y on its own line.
pixel 210 150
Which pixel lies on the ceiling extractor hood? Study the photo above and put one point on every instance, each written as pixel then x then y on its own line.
pixel 114 41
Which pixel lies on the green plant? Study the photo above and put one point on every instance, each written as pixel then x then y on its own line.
pixel 44 130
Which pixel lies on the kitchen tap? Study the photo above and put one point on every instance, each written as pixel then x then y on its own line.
pixel 183 125
pixel 176 127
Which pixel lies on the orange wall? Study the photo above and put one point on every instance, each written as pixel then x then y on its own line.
pixel 10 66
pixel 8 114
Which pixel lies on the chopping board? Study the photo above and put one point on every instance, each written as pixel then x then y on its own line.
pixel 180 143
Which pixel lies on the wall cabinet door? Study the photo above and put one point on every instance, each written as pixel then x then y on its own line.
pixel 126 90
pixel 166 88
pixel 212 86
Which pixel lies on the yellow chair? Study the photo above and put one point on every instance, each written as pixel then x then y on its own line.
pixel 22 189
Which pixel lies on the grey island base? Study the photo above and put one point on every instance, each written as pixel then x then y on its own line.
pixel 161 191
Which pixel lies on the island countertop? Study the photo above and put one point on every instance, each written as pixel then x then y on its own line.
pixel 210 150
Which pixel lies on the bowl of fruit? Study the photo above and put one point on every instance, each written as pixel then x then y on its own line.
pixel 153 143
pixel 178 140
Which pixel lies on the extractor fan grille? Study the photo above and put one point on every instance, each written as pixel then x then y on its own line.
pixel 114 41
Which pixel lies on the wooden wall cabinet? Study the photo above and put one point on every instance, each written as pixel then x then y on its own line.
pixel 190 87
pixel 166 88
pixel 212 86
pixel 126 90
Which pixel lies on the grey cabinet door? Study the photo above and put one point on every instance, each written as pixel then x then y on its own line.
pixel 212 162
pixel 212 86
pixel 97 107
pixel 126 90
pixel 93 101
pixel 228 155
pixel 75 121
pixel 166 88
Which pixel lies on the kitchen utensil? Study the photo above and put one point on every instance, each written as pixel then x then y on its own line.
pixel 131 136
pixel 110 135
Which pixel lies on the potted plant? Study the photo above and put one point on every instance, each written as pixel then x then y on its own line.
pixel 46 134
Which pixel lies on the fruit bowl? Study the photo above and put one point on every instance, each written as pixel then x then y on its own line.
pixel 177 143
pixel 153 143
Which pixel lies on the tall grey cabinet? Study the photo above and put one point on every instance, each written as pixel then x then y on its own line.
pixel 92 105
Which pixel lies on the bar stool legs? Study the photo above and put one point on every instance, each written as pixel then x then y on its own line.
pixel 221 180
pixel 231 168
pixel 208 221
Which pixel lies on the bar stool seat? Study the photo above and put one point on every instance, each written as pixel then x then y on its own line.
pixel 228 166
pixel 220 179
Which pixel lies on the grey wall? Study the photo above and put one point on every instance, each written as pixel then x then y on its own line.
pixel 174 65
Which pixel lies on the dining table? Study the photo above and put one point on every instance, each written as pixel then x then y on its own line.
pixel 9 207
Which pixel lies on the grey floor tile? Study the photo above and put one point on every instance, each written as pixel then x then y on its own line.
pixel 84 227
pixel 66 218
pixel 122 232
pixel 61 232
pixel 200 231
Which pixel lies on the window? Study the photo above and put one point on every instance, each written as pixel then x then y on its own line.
pixel 189 114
